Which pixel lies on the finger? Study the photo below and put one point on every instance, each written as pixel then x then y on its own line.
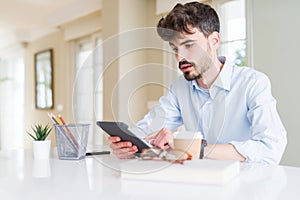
pixel 151 136
pixel 134 148
pixel 166 146
pixel 119 145
pixel 151 141
pixel 162 138
pixel 155 140
pixel 122 150
pixel 163 142
pixel 126 156
pixel 114 139
pixel 125 152
pixel 159 143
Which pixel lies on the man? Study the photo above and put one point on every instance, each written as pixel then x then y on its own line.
pixel 231 106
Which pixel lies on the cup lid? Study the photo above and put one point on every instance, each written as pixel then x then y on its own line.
pixel 188 135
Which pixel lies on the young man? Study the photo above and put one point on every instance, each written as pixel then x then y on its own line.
pixel 231 106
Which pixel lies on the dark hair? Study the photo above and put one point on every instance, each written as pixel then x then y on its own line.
pixel 182 17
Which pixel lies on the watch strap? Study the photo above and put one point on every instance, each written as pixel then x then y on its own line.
pixel 203 144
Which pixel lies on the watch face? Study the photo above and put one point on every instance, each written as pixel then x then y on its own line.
pixel 204 143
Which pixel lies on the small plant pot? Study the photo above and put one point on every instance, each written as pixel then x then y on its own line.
pixel 41 149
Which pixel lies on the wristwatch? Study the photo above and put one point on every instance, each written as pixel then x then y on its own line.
pixel 203 144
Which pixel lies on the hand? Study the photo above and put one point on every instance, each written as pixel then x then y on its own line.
pixel 122 149
pixel 162 139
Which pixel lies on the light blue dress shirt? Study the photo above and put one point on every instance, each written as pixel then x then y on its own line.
pixel 238 109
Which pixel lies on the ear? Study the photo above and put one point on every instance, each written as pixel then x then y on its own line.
pixel 214 40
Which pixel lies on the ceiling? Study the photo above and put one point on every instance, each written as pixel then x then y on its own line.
pixel 26 20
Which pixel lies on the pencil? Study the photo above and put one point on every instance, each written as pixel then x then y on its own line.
pixel 61 119
pixel 69 133
pixel 56 119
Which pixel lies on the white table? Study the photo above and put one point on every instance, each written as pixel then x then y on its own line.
pixel 22 177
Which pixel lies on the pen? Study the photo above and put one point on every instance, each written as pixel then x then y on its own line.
pixel 69 133
pixel 52 119
pixel 97 153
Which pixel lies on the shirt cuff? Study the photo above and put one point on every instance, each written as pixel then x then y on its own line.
pixel 242 149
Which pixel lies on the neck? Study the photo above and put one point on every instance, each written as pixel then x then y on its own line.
pixel 210 75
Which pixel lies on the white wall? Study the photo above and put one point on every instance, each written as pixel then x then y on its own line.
pixel 276 44
pixel 128 58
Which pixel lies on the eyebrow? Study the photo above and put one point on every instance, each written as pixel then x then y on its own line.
pixel 182 43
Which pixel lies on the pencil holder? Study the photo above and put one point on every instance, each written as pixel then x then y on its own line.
pixel 71 141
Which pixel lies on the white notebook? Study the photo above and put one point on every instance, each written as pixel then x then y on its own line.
pixel 194 171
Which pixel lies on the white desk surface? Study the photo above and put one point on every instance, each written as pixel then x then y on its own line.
pixel 22 177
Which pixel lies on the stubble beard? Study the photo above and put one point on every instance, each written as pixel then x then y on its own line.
pixel 196 73
pixel 192 75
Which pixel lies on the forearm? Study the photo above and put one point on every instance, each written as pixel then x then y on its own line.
pixel 222 152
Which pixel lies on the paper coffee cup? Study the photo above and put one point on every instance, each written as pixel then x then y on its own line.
pixel 188 141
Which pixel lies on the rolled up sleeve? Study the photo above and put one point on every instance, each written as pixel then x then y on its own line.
pixel 268 140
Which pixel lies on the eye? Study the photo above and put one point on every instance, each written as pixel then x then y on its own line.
pixel 175 49
pixel 189 45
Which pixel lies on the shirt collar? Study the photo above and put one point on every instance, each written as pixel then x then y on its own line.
pixel 224 78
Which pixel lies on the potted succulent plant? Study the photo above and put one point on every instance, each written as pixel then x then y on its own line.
pixel 41 146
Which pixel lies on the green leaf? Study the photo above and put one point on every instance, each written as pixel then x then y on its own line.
pixel 38 135
pixel 31 136
pixel 41 132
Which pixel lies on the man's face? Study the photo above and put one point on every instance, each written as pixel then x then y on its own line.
pixel 193 54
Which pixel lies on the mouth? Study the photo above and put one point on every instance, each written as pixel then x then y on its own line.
pixel 186 67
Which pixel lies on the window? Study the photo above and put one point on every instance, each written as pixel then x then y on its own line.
pixel 12 102
pixel 233 30
pixel 88 91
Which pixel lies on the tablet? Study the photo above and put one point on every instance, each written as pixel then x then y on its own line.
pixel 120 129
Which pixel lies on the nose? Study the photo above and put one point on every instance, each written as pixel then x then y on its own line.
pixel 181 54
pixel 180 57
